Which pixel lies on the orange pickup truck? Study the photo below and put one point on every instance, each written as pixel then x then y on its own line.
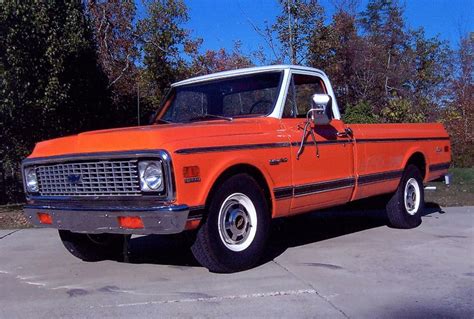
pixel 225 154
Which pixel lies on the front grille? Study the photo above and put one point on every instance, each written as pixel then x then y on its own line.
pixel 102 178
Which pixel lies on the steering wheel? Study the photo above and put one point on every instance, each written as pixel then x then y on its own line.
pixel 258 103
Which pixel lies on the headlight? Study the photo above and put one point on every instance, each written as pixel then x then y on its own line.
pixel 151 176
pixel 31 180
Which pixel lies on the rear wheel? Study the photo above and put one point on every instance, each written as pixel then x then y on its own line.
pixel 233 236
pixel 94 247
pixel 406 205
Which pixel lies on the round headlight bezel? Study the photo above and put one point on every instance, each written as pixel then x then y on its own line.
pixel 151 176
pixel 31 180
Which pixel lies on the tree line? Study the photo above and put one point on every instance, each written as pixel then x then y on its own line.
pixel 72 66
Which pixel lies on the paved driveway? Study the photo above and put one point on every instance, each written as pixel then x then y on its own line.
pixel 335 264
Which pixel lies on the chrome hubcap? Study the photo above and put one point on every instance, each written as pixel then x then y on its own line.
pixel 237 222
pixel 412 196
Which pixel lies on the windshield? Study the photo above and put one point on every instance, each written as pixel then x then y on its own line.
pixel 249 95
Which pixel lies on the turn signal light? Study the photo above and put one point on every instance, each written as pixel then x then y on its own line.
pixel 133 222
pixel 191 171
pixel 45 218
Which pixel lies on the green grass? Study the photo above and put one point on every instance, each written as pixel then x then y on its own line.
pixel 459 193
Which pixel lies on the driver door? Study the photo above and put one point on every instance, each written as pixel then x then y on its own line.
pixel 323 174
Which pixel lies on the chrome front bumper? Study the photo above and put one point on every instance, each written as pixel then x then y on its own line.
pixel 156 220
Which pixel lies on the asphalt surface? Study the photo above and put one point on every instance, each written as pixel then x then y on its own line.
pixel 340 264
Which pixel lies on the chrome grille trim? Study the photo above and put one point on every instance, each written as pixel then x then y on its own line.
pixel 168 196
pixel 98 178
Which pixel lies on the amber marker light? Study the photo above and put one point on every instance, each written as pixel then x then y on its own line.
pixel 191 171
pixel 133 222
pixel 45 218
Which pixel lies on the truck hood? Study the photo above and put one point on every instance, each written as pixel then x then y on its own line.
pixel 144 137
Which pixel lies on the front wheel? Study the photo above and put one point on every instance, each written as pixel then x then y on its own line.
pixel 406 205
pixel 94 247
pixel 233 236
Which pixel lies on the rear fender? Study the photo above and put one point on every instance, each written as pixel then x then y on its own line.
pixel 412 151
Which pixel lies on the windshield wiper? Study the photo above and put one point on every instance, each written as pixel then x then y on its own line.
pixel 163 121
pixel 207 116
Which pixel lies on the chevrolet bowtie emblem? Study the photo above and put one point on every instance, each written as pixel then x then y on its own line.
pixel 74 179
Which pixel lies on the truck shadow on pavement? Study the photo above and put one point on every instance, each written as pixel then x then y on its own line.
pixel 174 250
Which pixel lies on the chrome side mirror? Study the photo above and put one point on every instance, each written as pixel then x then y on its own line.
pixel 319 105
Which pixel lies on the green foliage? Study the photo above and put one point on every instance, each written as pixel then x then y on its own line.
pixel 50 84
pixel 400 110
pixel 163 39
pixel 361 112
pixel 295 25
pixel 115 35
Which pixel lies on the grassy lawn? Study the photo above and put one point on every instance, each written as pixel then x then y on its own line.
pixel 459 193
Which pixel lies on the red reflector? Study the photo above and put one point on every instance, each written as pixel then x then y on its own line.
pixel 45 218
pixel 446 148
pixel 192 224
pixel 191 171
pixel 130 222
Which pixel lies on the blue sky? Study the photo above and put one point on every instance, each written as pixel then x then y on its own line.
pixel 220 23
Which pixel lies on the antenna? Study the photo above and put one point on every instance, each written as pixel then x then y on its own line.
pixel 138 103
pixel 291 33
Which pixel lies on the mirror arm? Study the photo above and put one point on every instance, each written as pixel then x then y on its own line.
pixel 305 132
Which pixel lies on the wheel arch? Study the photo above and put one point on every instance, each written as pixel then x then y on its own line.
pixel 243 168
pixel 418 159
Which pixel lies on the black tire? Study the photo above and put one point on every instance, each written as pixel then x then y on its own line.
pixel 211 249
pixel 397 212
pixel 94 247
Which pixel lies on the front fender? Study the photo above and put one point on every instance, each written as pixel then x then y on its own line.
pixel 196 193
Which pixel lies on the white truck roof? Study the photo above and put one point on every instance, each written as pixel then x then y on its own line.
pixel 257 69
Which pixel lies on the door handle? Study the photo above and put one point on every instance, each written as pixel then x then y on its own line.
pixel 347 133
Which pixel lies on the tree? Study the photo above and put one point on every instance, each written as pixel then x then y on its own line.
pixel 361 112
pixel 163 39
pixel 334 49
pixel 295 26
pixel 430 65
pixel 117 49
pixel 51 84
pixel 383 24
pixel 222 60
pixel 459 115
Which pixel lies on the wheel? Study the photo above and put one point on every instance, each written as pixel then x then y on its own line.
pixel 234 234
pixel 405 206
pixel 94 247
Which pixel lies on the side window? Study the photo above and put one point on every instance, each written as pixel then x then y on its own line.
pixel 298 98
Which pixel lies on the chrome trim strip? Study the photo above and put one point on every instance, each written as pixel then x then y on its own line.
pixel 226 148
pixel 159 220
pixel 401 139
pixel 379 177
pixel 309 189
pixel 139 154
pixel 170 208
pixel 313 188
pixel 333 185
pixel 95 155
pixel 440 166
pixel 283 192
pixel 327 142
